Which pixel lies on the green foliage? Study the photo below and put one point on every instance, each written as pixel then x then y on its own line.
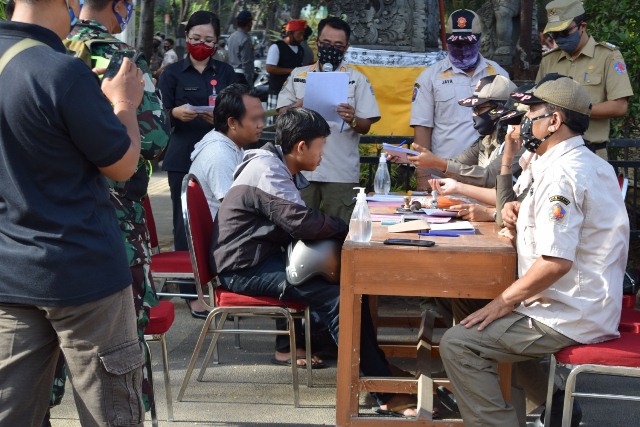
pixel 619 23
pixel 3 14
pixel 398 172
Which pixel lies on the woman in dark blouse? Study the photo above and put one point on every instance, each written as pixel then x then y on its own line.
pixel 189 82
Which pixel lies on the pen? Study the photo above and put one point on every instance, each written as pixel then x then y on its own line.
pixel 342 127
pixel 438 233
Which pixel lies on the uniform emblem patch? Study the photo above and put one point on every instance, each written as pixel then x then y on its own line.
pixel 462 22
pixel 415 94
pixel 560 199
pixel 557 213
pixel 620 67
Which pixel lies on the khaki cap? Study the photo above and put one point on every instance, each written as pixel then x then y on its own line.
pixel 489 88
pixel 560 13
pixel 561 91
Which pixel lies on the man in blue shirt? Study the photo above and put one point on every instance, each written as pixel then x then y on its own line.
pixel 64 278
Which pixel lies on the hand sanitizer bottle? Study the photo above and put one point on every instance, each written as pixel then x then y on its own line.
pixel 360 224
pixel 382 180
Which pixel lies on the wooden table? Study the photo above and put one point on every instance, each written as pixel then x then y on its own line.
pixel 471 266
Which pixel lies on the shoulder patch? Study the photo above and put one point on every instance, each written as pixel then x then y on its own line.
pixel 620 67
pixel 557 213
pixel 560 199
pixel 415 92
pixel 608 45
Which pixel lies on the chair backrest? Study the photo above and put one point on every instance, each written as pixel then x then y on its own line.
pixel 199 225
pixel 151 223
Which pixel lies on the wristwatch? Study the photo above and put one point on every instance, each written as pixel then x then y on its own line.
pixel 353 123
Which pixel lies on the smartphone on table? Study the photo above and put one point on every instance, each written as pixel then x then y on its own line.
pixel 410 242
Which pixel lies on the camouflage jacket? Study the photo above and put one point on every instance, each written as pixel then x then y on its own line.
pixel 152 119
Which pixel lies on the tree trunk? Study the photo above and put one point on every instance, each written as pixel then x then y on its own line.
pixel 522 70
pixel 145 32
pixel 295 9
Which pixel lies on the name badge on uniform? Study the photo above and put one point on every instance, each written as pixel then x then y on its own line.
pixel 191 89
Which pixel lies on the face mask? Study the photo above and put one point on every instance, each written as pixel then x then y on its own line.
pixel 483 123
pixel 530 142
pixel 464 56
pixel 72 15
pixel 569 43
pixel 123 22
pixel 331 55
pixel 200 51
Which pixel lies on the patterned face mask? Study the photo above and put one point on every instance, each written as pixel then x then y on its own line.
pixel 464 56
pixel 530 142
pixel 123 21
pixel 330 55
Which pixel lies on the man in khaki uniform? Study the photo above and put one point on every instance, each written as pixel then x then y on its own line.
pixel 598 67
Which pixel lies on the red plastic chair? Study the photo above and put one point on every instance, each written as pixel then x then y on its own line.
pixel 161 318
pixel 620 357
pixel 171 266
pixel 222 303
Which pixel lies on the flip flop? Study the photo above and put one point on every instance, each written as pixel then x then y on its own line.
pixel 317 364
pixel 397 411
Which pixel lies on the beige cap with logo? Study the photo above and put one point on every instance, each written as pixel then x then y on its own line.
pixel 561 91
pixel 489 88
pixel 560 13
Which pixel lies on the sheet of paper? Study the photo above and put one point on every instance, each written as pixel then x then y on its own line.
pixel 323 93
pixel 200 108
pixel 402 227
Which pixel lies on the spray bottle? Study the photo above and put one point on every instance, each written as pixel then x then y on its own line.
pixel 382 180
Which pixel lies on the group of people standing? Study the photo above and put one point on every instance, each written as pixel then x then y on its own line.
pixel 68 235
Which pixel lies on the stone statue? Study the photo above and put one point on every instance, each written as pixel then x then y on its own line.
pixel 386 24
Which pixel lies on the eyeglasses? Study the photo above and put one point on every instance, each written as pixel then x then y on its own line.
pixel 338 46
pixel 198 40
pixel 566 32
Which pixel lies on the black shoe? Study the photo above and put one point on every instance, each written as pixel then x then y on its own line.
pixel 196 314
pixel 447 399
pixel 557 404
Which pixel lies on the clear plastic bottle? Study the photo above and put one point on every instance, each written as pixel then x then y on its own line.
pixel 434 199
pixel 382 180
pixel 360 224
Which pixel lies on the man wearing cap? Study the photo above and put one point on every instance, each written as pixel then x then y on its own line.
pixel 331 183
pixel 240 46
pixel 283 56
pixel 440 124
pixel 479 164
pixel 571 261
pixel 599 67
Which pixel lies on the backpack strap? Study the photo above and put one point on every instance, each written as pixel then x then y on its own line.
pixel 16 49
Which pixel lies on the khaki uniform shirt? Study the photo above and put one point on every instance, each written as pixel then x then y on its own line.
pixel 574 211
pixel 600 68
pixel 435 104
pixel 341 159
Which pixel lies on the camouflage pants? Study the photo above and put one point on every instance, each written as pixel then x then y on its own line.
pixel 144 297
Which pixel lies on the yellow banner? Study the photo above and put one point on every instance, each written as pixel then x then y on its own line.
pixel 393 87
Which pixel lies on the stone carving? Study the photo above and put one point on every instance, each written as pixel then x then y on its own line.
pixel 384 24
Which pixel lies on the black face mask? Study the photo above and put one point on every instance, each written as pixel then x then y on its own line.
pixel 330 55
pixel 483 123
pixel 530 142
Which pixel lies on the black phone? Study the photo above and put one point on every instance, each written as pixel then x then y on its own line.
pixel 410 242
pixel 116 61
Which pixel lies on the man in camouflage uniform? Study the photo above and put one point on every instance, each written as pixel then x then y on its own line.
pixel 91 39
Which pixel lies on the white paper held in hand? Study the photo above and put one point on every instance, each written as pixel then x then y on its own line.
pixel 323 93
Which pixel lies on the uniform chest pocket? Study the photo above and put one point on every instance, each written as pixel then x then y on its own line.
pixel 591 79
pixel 444 92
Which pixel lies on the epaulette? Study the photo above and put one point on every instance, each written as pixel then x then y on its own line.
pixel 555 49
pixel 608 45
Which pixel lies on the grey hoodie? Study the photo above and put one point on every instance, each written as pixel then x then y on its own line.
pixel 214 159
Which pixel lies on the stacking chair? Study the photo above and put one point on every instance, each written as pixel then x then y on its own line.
pixel 171 266
pixel 161 318
pixel 619 357
pixel 223 303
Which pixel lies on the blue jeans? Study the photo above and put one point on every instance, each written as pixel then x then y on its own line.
pixel 322 297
